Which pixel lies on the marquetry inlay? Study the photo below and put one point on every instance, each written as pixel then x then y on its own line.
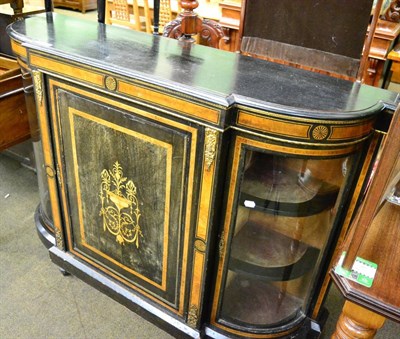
pixel 120 206
pixel 320 132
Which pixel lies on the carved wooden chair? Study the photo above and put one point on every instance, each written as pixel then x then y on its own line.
pixel 122 13
pixel 306 35
pixel 166 13
pixel 190 28
pixel 392 11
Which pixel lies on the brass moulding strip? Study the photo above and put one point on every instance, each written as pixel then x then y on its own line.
pixel 53 85
pixel 304 129
pixel 168 147
pixel 48 157
pixel 126 89
pixel 18 49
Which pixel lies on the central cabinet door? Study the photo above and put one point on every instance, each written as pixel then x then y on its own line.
pixel 127 190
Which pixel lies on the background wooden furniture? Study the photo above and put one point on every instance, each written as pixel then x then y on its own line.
pixel 392 12
pixel 81 5
pixel 378 65
pixel 7 16
pixel 307 35
pixel 230 22
pixel 122 13
pixel 394 58
pixel 162 144
pixel 374 236
pixel 14 124
pixel 188 26
pixel 16 5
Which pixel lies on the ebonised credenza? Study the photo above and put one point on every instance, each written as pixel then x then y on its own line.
pixel 203 189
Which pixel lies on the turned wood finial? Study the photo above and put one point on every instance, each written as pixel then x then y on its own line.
pixel 188 24
pixel 189 5
pixel 17 6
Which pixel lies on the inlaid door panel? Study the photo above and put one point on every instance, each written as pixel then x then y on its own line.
pixel 129 176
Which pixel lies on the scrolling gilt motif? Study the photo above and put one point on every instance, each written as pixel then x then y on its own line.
pixel 37 80
pixel 120 206
pixel 193 316
pixel 59 239
pixel 210 147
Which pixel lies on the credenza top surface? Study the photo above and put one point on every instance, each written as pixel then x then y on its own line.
pixel 217 76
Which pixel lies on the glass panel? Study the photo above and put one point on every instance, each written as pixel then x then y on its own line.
pixel 286 211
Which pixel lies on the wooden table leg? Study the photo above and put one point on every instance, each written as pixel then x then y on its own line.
pixel 357 322
pixel 17 6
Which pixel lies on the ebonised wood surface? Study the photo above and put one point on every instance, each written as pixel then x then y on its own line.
pixel 218 76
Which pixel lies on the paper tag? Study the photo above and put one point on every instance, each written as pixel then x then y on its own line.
pixel 362 272
pixel 249 204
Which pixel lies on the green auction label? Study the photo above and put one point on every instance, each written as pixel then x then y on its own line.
pixel 362 271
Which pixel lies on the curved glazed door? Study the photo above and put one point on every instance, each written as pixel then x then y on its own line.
pixel 281 212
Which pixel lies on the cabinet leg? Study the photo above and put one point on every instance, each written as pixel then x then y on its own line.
pixel 357 322
pixel 64 272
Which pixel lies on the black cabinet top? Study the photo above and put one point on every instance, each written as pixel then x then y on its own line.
pixel 218 76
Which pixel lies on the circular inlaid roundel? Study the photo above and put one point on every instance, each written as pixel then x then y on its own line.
pixel 200 245
pixel 111 83
pixel 320 132
pixel 49 171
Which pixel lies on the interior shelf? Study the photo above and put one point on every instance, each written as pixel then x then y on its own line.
pixel 276 188
pixel 256 250
pixel 254 303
